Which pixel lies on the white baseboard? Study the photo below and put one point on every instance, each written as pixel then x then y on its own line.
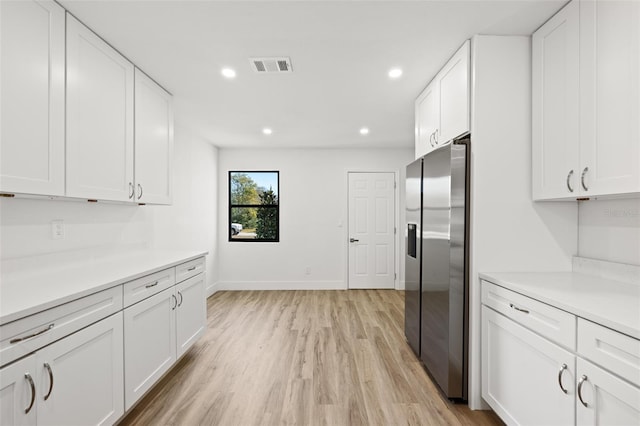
pixel 280 285
pixel 211 289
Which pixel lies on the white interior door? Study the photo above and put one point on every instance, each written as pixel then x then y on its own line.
pixel 371 230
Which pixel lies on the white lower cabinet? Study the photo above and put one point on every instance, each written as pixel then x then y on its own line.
pixel 18 393
pixel 159 330
pixel 529 378
pixel 604 399
pixel 76 381
pixel 80 378
pixel 523 372
pixel 150 343
pixel 191 314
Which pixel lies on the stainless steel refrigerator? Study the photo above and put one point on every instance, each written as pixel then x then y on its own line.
pixel 436 264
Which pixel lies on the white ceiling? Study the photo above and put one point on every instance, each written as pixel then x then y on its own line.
pixel 341 52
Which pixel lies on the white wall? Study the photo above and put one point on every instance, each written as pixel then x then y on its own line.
pixel 509 232
pixel 313 216
pixel 610 230
pixel 190 223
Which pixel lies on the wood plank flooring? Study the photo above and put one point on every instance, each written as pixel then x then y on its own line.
pixel 302 358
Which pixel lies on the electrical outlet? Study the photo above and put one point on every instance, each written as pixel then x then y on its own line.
pixel 57 229
pixel 307 270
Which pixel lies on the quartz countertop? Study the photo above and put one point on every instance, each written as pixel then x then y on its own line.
pixel 41 283
pixel 613 304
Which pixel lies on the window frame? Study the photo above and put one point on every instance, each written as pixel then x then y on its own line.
pixel 258 206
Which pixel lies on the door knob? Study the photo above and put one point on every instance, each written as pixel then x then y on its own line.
pixel 353 240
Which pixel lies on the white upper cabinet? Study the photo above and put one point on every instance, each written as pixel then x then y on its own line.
pixel 153 141
pixel 442 109
pixel 427 118
pixel 610 97
pixel 32 53
pixel 100 86
pixel 586 102
pixel 454 95
pixel 555 99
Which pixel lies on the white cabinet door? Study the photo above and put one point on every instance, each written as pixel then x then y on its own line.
pixel 454 95
pixel 149 343
pixel 610 97
pixel 80 378
pixel 99 118
pixel 427 118
pixel 522 374
pixel 32 102
pixel 608 399
pixel 556 105
pixel 18 393
pixel 191 314
pixel 153 141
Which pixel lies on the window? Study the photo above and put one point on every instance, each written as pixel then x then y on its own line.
pixel 254 212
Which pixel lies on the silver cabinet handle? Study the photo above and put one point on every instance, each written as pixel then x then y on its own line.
pixel 353 240
pixel 131 190
pixel 435 136
pixel 180 303
pixel 151 285
pixel 569 181
pixel 193 268
pixel 584 172
pixel 175 299
pixel 562 369
pixel 431 140
pixel 48 367
pixel 139 191
pixel 32 385
pixel 518 309
pixel 580 383
pixel 20 339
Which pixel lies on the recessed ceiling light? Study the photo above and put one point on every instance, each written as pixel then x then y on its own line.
pixel 267 131
pixel 364 131
pixel 228 73
pixel 395 73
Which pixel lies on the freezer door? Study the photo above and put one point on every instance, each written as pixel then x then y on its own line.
pixel 443 259
pixel 412 260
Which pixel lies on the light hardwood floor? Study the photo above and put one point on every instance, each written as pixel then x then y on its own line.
pixel 302 358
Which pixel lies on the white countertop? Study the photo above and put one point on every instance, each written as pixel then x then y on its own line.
pixel 613 304
pixel 40 283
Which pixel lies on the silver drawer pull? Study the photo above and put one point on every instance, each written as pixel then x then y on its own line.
pixel 193 268
pixel 20 339
pixel 580 383
pixel 48 367
pixel 562 369
pixel 33 392
pixel 151 285
pixel 518 309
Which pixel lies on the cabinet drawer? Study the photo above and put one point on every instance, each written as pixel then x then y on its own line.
pixel 614 351
pixel 21 337
pixel 189 269
pixel 140 289
pixel 552 323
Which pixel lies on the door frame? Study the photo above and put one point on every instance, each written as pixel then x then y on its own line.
pixel 396 224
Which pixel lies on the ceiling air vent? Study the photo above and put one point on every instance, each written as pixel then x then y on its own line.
pixel 271 65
